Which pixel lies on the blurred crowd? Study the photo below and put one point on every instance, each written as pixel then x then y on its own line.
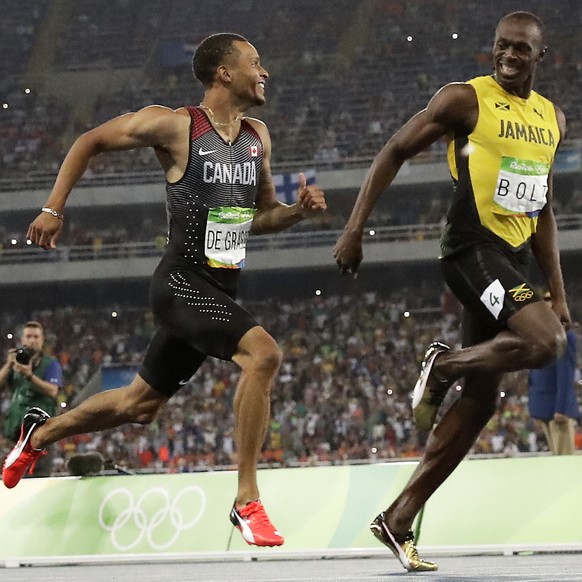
pixel 338 88
pixel 342 394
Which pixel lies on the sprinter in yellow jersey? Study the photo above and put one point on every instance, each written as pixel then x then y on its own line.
pixel 502 141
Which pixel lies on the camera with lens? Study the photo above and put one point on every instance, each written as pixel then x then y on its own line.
pixel 24 355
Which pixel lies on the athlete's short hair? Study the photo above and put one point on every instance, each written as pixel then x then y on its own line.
pixel 528 17
pixel 211 53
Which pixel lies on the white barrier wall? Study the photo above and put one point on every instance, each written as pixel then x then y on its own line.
pixel 513 503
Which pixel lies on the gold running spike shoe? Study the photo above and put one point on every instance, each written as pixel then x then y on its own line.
pixel 427 397
pixel 402 546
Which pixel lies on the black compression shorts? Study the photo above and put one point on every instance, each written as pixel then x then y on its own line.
pixel 197 320
pixel 492 286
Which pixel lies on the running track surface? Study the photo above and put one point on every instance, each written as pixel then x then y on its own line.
pixel 515 568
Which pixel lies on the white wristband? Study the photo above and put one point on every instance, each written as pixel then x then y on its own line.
pixel 56 214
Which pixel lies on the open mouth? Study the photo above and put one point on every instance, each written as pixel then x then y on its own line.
pixel 508 70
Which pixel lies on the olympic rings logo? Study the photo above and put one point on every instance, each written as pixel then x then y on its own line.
pixel 154 516
pixel 524 296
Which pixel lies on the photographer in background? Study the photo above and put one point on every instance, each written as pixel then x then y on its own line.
pixel 34 380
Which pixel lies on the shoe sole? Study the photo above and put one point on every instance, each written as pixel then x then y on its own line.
pixel 421 383
pixel 424 413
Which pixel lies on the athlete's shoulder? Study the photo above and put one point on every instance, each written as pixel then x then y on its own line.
pixel 542 106
pixel 457 90
pixel 156 115
pixel 162 111
pixel 255 122
pixel 543 101
pixel 159 124
pixel 259 126
pixel 482 81
pixel 183 111
pixel 455 105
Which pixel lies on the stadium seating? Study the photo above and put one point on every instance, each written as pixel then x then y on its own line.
pixel 339 87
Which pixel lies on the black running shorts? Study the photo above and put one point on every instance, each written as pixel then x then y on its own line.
pixel 492 286
pixel 196 320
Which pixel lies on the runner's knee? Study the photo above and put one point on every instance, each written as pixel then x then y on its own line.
pixel 265 356
pixel 547 348
pixel 144 412
pixel 268 359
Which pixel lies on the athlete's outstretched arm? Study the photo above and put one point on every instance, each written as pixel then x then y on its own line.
pixel 452 110
pixel 273 215
pixel 149 127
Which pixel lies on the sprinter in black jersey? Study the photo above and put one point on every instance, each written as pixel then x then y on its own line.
pixel 219 189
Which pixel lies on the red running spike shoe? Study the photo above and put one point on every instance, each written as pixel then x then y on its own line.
pixel 255 526
pixel 23 456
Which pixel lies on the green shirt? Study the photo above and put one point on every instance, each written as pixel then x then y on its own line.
pixel 25 395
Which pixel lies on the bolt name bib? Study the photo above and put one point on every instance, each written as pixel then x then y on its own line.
pixel 521 187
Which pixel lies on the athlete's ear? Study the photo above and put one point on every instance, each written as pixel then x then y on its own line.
pixel 223 74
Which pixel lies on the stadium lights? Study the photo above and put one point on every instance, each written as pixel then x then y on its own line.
pixel 406 314
pixel 318 292
pixel 4 105
pixel 372 232
pixel 9 336
pixel 454 36
pixel 409 38
pixel 502 394
pixel 27 91
pixel 114 314
pixel 28 241
pixel 13 241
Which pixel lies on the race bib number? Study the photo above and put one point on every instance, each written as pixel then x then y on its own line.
pixel 521 187
pixel 227 231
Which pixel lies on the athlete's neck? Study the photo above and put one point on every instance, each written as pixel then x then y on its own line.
pixel 523 91
pixel 221 117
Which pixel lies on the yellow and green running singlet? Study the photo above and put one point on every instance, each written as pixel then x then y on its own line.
pixel 501 169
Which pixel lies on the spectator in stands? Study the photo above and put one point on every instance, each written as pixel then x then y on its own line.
pixel 552 397
pixel 219 189
pixel 315 352
pixel 34 379
pixel 490 231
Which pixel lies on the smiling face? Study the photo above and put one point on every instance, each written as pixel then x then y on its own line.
pixel 517 49
pixel 247 75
